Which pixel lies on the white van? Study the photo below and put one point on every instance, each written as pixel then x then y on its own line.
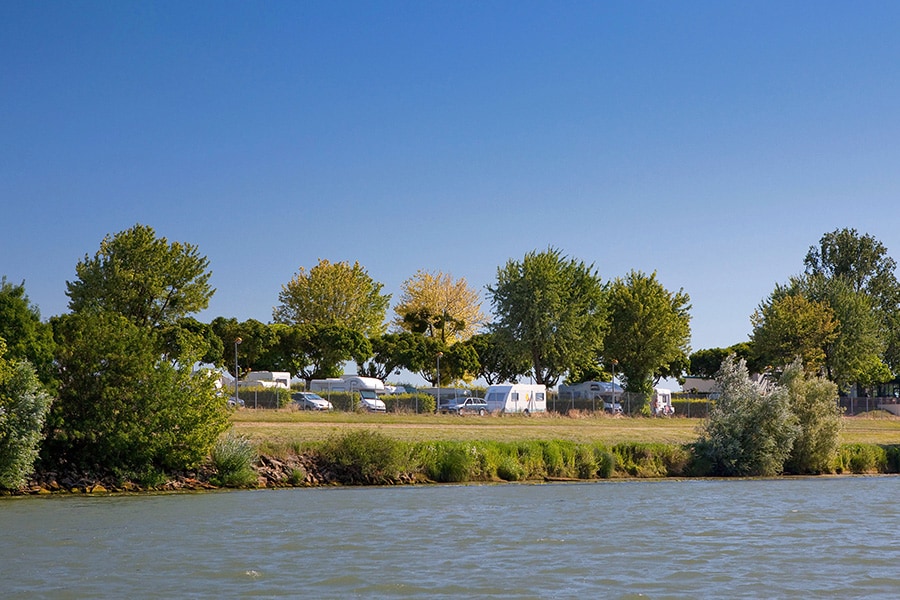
pixel 368 389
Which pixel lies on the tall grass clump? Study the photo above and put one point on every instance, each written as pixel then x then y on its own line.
pixel 363 457
pixel 453 463
pixel 653 460
pixel 586 465
pixel 232 457
pixel 862 458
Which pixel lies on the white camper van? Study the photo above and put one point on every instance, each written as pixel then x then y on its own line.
pixel 517 398
pixel 661 402
pixel 368 389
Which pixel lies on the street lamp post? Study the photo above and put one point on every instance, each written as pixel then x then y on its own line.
pixel 613 408
pixel 437 407
pixel 237 399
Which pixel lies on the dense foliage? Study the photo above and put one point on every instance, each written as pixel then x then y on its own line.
pixel 649 330
pixel 335 294
pixel 122 407
pixel 23 409
pixel 26 336
pixel 142 277
pixel 436 306
pixel 552 310
pixel 751 429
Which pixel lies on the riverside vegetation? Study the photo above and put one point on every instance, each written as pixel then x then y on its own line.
pixel 285 447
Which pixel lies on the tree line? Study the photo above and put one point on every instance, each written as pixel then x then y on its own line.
pixel 119 367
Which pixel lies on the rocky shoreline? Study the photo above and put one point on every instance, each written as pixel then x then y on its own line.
pixel 282 472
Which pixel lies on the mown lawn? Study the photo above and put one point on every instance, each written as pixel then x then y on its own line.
pixel 294 428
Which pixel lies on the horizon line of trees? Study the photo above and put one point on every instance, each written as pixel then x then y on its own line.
pixel 119 366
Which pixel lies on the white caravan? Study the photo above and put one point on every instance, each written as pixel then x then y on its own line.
pixel 367 387
pixel 661 402
pixel 517 398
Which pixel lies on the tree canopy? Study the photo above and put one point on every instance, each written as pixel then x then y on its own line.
pixel 142 277
pixel 26 336
pixel 790 327
pixel 435 305
pixel 649 330
pixel 552 309
pixel 334 294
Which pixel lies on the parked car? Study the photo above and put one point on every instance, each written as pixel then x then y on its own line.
pixel 310 401
pixel 235 402
pixel 463 406
pixel 614 408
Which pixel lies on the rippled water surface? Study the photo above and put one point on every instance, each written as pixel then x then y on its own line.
pixel 784 538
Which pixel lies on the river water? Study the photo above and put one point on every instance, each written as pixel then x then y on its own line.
pixel 778 538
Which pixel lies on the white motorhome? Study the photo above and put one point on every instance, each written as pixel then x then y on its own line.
pixel 517 398
pixel 368 389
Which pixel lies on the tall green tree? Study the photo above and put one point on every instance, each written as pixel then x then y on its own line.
pixel 649 330
pixel 707 362
pixel 857 346
pixel 790 327
pixel 142 277
pixel 123 407
pixel 256 342
pixel 498 358
pixel 864 264
pixel 391 352
pixel 334 294
pixel 552 309
pixel 27 337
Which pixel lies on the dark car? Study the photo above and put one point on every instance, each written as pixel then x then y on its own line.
pixel 464 406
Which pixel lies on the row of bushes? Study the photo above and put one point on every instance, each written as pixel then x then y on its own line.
pixel 366 457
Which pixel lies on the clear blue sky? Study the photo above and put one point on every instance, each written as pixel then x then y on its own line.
pixel 712 142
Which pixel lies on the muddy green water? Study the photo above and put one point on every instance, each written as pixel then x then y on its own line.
pixel 785 538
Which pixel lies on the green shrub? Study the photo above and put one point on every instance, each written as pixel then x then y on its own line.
pixel 23 409
pixel 862 458
pixel 454 464
pixel 751 429
pixel 606 462
pixel 409 403
pixel 586 462
pixel 509 469
pixel 233 457
pixel 559 458
pixel 363 457
pixel 653 460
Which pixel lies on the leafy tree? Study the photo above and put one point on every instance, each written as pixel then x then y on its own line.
pixel 328 347
pixel 334 294
pixel 863 262
pixel 257 340
pixel 23 410
pixel 857 345
pixel 791 327
pixel 142 277
pixel 813 401
pixel 436 306
pixel 190 335
pixel 751 429
pixel 706 363
pixel 649 330
pixel 27 337
pixel 393 351
pixel 497 358
pixel 552 308
pixel 122 406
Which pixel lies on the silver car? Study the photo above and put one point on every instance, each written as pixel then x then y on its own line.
pixel 310 401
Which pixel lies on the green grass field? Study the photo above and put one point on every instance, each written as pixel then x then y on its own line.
pixel 292 428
